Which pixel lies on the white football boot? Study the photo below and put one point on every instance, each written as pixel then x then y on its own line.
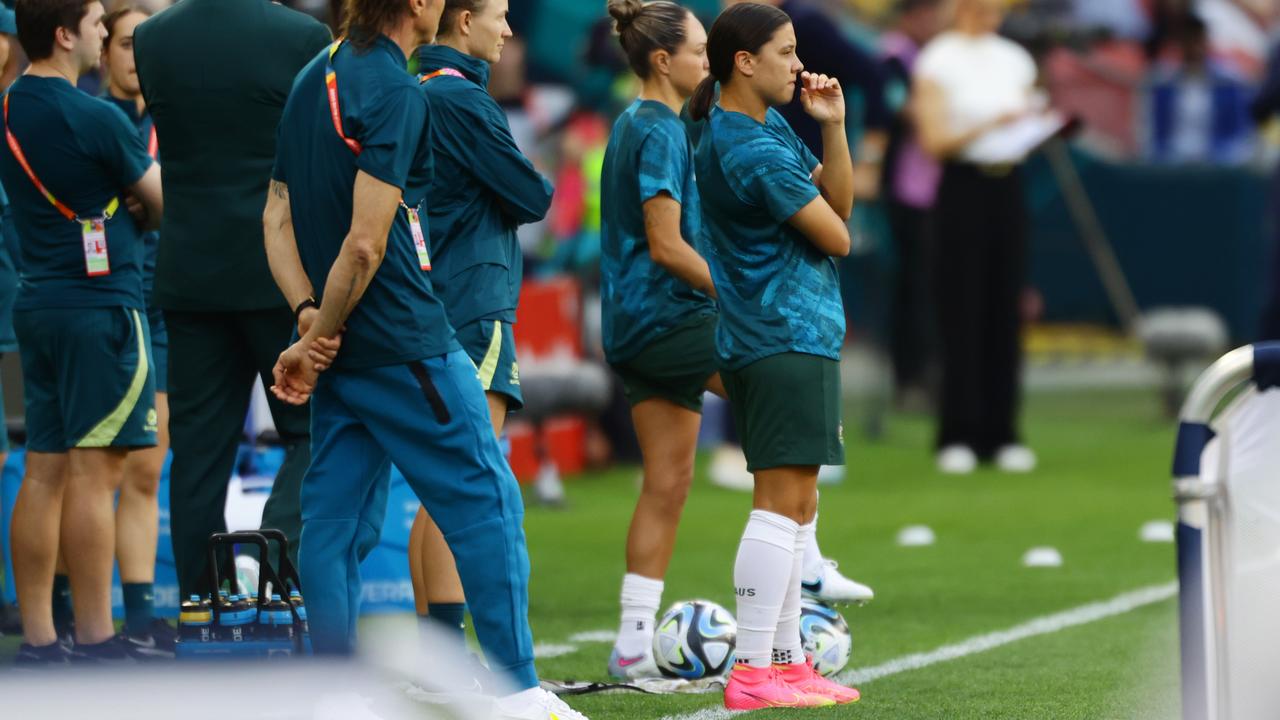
pixel 1016 459
pixel 833 588
pixel 633 668
pixel 534 704
pixel 957 460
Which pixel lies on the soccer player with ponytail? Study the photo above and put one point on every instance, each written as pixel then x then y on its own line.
pixel 775 218
pixel 658 313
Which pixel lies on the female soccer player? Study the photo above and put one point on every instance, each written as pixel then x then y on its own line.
pixel 775 218
pixel 137 512
pixel 659 315
pixel 484 189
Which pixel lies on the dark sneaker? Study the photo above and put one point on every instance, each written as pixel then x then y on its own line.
pixel 37 656
pixel 10 620
pixel 120 650
pixel 160 636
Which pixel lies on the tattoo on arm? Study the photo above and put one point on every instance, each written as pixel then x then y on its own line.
pixel 279 189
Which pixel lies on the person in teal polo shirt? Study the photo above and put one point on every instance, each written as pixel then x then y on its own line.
pixel 484 189
pixel 71 165
pixel 776 219
pixel 659 316
pixel 343 225
pixel 138 509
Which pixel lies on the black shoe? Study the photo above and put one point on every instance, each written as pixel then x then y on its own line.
pixel 38 656
pixel 160 637
pixel 66 635
pixel 119 650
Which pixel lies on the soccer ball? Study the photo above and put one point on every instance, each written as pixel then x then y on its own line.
pixel 826 637
pixel 695 639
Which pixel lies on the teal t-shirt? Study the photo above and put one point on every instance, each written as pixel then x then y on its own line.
pixel 484 190
pixel 649 154
pixel 399 319
pixel 87 153
pixel 150 239
pixel 778 293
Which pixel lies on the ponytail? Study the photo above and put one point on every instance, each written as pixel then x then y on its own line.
pixel 703 96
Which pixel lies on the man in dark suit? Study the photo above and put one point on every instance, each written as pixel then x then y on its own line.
pixel 215 75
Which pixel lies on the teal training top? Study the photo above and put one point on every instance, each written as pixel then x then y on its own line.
pixel 86 153
pixel 649 154
pixel 484 189
pixel 399 319
pixel 778 293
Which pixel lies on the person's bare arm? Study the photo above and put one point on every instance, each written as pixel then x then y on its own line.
pixel 929 112
pixel 823 99
pixel 282 247
pixel 668 248
pixel 828 232
pixel 288 272
pixel 145 200
pixel 374 208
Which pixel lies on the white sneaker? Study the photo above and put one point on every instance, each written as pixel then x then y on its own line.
pixel 1016 459
pixel 957 460
pixel 534 704
pixel 832 587
pixel 830 474
pixel 633 668
pixel 729 469
pixel 547 486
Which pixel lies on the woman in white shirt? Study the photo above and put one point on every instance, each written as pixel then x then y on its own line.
pixel 969 82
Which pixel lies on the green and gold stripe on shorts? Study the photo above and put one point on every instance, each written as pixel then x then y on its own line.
pixel 105 432
pixel 489 367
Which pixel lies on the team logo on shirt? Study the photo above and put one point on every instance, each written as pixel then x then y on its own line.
pixel 152 423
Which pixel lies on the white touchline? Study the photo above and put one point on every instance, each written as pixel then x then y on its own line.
pixel 594 636
pixel 551 650
pixel 1045 625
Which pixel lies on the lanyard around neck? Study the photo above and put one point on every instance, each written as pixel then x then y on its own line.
pixel 331 86
pixel 21 157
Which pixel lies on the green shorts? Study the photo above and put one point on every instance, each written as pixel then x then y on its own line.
pixel 491 345
pixel 674 367
pixel 87 377
pixel 787 410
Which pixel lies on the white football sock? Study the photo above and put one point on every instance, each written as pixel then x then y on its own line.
pixel 766 557
pixel 812 555
pixel 787 646
pixel 641 597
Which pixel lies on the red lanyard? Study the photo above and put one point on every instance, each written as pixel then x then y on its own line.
pixel 331 85
pixel 153 146
pixel 18 155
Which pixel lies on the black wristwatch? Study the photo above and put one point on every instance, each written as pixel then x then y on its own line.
pixel 308 303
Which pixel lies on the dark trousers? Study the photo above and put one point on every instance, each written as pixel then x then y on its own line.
pixel 214 358
pixel 981 256
pixel 911 332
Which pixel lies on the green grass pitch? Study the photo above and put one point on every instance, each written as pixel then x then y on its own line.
pixel 1104 459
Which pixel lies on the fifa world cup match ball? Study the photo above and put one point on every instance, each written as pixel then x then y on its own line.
pixel 695 639
pixel 826 637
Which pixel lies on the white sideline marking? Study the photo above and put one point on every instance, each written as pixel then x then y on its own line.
pixel 551 650
pixel 1045 625
pixel 594 636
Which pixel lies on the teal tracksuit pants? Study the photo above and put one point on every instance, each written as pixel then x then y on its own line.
pixel 431 420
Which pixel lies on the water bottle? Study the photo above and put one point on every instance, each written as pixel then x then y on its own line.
pixel 235 624
pixel 275 622
pixel 295 599
pixel 195 620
